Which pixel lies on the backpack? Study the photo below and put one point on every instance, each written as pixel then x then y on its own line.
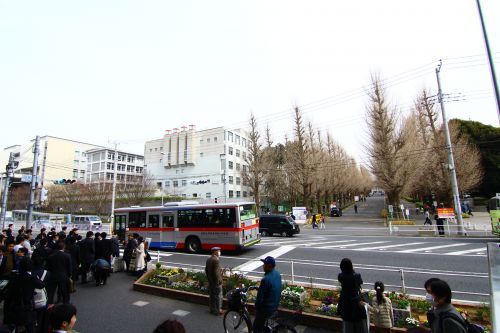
pixel 468 326
pixel 40 295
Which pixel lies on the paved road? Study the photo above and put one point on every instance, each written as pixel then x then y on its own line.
pixel 117 308
pixel 316 255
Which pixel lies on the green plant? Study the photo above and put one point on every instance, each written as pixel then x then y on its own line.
pixel 235 281
pixel 399 301
pixel 419 306
pixel 482 313
pixel 158 265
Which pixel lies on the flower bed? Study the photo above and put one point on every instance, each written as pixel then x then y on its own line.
pixel 293 297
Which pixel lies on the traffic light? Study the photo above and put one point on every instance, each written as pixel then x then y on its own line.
pixel 215 200
pixel 64 181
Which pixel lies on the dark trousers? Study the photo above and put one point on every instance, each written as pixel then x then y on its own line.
pixel 215 299
pixel 62 287
pixel 85 267
pixel 259 322
pixel 440 226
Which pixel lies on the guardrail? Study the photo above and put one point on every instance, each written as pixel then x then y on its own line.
pixel 448 229
pixel 329 283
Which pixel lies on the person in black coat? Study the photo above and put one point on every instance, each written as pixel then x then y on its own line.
pixel 42 250
pixel 19 308
pixel 87 255
pixel 105 248
pixel 350 308
pixel 59 266
pixel 129 250
pixel 98 245
pixel 74 251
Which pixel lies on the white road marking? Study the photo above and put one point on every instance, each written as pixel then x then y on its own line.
pixel 386 246
pixel 431 248
pixel 180 313
pixel 311 244
pixel 457 253
pixel 255 263
pixel 291 241
pixel 346 245
pixel 140 303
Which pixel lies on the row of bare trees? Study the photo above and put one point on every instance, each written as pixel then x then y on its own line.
pixel 310 169
pixel 408 153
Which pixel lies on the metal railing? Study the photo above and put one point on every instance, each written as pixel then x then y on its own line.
pixel 447 229
pixel 330 283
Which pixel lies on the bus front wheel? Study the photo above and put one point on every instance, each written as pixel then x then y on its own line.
pixel 193 245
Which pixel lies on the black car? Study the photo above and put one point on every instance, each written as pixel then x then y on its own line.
pixel 335 211
pixel 277 224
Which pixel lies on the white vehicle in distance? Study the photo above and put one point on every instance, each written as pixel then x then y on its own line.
pixel 92 221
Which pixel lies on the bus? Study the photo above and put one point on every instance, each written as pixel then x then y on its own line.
pixel 191 226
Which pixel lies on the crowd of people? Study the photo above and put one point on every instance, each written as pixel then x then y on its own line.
pixel 41 271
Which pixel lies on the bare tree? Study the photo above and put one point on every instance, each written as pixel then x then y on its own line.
pixel 254 176
pixel 136 190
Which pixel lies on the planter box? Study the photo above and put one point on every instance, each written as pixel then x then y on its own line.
pixel 298 317
pixel 401 314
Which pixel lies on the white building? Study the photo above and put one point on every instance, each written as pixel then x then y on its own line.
pixel 203 165
pixel 101 164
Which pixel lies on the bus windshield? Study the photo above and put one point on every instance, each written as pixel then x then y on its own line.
pixel 248 212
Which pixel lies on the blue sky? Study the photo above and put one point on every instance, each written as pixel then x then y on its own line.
pixel 99 71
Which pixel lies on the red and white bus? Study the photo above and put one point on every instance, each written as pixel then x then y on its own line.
pixel 193 227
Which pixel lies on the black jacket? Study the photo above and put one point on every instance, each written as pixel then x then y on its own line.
pixel 350 296
pixel 43 252
pixel 74 251
pixel 59 266
pixel 19 307
pixel 104 249
pixel 115 247
pixel 129 249
pixel 4 274
pixel 87 251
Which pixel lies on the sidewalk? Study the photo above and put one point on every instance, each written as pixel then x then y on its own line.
pixel 117 308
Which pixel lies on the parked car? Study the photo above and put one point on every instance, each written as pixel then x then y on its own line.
pixel 335 211
pixel 277 224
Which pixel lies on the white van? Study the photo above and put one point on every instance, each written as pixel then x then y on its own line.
pixel 92 220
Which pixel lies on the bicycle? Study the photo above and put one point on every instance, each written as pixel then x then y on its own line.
pixel 237 318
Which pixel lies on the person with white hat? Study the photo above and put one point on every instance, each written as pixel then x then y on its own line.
pixel 214 276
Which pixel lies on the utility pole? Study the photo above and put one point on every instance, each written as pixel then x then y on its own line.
pixel 114 187
pixel 9 170
pixel 42 178
pixel 451 163
pixel 490 58
pixel 223 161
pixel 36 152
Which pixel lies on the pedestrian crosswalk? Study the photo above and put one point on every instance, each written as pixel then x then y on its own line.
pixel 387 245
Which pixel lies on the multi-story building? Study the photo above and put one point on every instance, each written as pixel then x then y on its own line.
pixel 204 165
pixel 59 158
pixel 101 164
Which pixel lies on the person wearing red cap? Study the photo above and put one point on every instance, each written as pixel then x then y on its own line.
pixel 269 295
pixel 214 276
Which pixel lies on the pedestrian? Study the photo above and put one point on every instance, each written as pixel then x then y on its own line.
pixel 74 251
pixel 350 306
pixel 98 245
pixel 440 224
pixel 313 221
pixel 355 208
pixel 105 248
pixel 8 261
pixel 170 326
pixel 129 250
pixel 101 269
pixel 322 222
pixel 445 319
pixel 19 311
pixel 40 295
pixel 87 255
pixel 62 318
pixel 427 218
pixel 59 266
pixel 140 257
pixel 381 308
pixel 214 276
pixel 268 296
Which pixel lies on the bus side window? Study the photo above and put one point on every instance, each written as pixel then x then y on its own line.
pixel 154 221
pixel 168 221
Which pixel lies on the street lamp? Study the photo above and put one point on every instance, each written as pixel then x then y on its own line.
pixel 223 166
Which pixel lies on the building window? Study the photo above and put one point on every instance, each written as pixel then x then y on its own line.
pixel 237 139
pixel 176 183
pixel 244 181
pixel 121 157
pixel 244 155
pixel 208 140
pixel 109 176
pixel 237 153
pixel 244 142
pixel 238 181
pixel 111 156
pixel 238 167
pixel 231 193
pixel 167 183
pixel 195 195
pixel 75 173
pixel 229 136
pixel 156 149
pixel 130 159
pixel 138 169
pixel 215 139
pixel 184 182
pixel 120 167
pixel 230 179
pixel 230 150
pixel 201 154
pixel 230 165
pixel 110 166
pixel 208 195
pixel 244 168
pixel 238 194
pixel 130 168
pixel 158 184
pixel 244 194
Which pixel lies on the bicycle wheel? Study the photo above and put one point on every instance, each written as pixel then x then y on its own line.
pixel 234 322
pixel 282 328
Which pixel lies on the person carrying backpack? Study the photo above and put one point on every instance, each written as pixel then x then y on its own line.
pixel 447 319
